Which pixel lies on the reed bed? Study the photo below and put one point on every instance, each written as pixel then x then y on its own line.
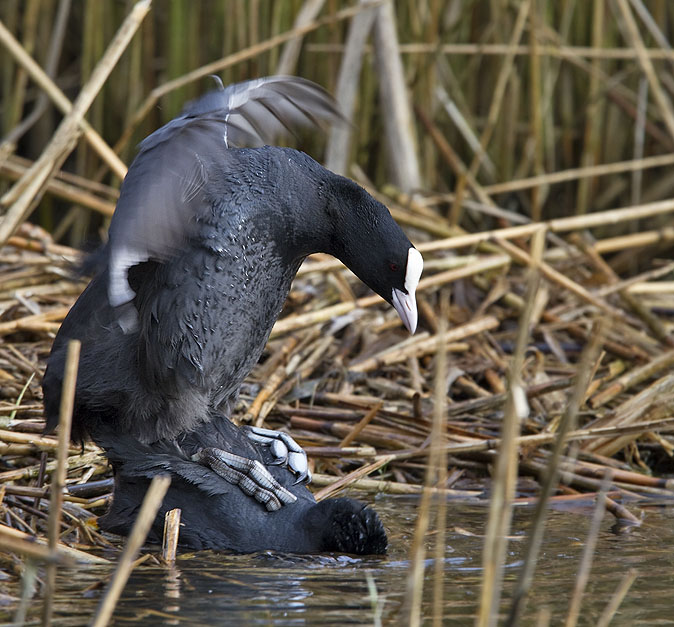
pixel 536 182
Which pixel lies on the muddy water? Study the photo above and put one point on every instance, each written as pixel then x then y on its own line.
pixel 263 589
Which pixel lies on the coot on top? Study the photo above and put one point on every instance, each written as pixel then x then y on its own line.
pixel 204 244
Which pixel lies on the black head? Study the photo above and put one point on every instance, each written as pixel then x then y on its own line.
pixel 369 241
pixel 347 526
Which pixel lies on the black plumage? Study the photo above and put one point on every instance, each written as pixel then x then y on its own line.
pixel 204 244
pixel 218 515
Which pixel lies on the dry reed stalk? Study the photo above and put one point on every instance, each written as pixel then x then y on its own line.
pixel 337 150
pixel 58 481
pixel 646 64
pixel 653 403
pixel 60 189
pixel 13 538
pixel 31 472
pixel 521 50
pixel 439 439
pixel 299 321
pixel 494 109
pixel 617 598
pixel 291 51
pixel 644 276
pixel 581 173
pixel 230 60
pixel 622 514
pixel 650 320
pixel 60 100
pixel 358 427
pixel 377 486
pixel 41 443
pixel 503 488
pixel 273 380
pixel 148 512
pixel 344 482
pixel 422 345
pixel 397 113
pixel 433 476
pixel 660 287
pixel 556 225
pixel 29 189
pixel 56 40
pixel 48 247
pixel 561 279
pixel 597 470
pixel 583 574
pixel 537 192
pixel 551 476
pixel 26 546
pixel 170 537
pixel 632 378
pixel 593 119
pixel 12 326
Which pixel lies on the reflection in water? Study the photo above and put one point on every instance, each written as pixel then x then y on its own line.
pixel 266 588
pixel 172 585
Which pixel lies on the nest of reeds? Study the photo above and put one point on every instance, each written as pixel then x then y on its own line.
pixel 341 374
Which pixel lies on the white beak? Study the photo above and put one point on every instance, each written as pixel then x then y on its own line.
pixel 406 303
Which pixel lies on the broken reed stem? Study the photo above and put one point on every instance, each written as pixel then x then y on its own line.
pixel 585 369
pixel 148 512
pixel 58 478
pixel 26 546
pixel 17 541
pixel 588 554
pixel 171 533
pixel 362 423
pixel 633 377
pixel 26 192
pixel 654 402
pixel 347 480
pixel 415 577
pixel 505 472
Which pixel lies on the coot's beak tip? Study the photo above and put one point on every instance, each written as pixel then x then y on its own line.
pixel 406 306
pixel 405 302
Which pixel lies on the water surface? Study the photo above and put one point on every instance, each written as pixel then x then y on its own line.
pixel 272 589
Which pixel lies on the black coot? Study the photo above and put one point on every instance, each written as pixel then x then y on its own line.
pixel 204 244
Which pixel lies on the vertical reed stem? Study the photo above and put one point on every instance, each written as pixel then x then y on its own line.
pixel 58 479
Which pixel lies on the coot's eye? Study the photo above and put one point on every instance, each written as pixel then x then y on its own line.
pixel 393 267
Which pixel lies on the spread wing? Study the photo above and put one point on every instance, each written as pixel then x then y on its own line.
pixel 164 190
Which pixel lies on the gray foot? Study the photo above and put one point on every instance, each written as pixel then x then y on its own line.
pixel 250 475
pixel 285 450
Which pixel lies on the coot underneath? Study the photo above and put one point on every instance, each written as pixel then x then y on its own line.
pixel 218 515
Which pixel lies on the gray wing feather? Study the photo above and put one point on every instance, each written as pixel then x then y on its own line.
pixel 163 192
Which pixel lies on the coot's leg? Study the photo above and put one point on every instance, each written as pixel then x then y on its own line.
pixel 250 475
pixel 285 450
